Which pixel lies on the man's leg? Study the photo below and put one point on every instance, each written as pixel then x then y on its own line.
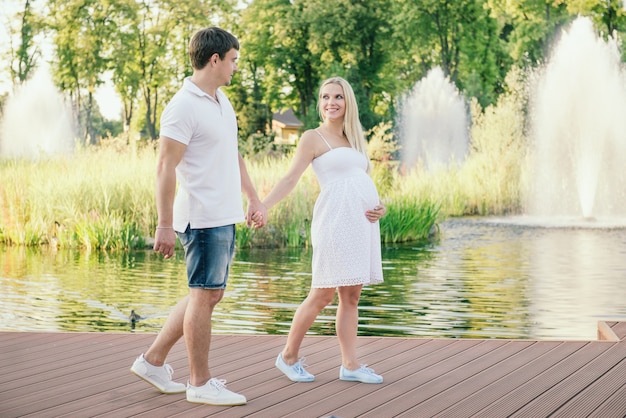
pixel 151 365
pixel 197 331
pixel 168 336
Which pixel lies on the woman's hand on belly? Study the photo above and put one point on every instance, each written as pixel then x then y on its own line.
pixel 375 214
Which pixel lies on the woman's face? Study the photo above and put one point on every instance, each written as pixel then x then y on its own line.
pixel 332 102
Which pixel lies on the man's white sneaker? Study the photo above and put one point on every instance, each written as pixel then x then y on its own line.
pixel 214 392
pixel 296 371
pixel 158 376
pixel 362 374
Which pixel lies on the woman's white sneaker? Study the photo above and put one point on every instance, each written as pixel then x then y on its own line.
pixel 295 372
pixel 158 376
pixel 214 392
pixel 363 374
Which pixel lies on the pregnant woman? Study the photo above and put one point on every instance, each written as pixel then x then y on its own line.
pixel 344 231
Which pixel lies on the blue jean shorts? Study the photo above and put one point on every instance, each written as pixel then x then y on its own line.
pixel 208 253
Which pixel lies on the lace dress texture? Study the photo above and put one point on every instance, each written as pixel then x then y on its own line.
pixel 346 246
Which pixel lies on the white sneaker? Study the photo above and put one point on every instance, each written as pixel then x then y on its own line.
pixel 363 374
pixel 158 376
pixel 295 372
pixel 214 392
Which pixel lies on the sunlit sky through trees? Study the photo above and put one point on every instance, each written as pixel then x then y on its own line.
pixel 107 98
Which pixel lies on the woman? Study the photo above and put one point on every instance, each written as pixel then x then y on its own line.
pixel 344 231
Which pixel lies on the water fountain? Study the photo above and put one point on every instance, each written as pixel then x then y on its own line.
pixel 36 121
pixel 433 123
pixel 578 130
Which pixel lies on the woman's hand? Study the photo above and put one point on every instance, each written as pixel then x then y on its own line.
pixel 256 215
pixel 375 214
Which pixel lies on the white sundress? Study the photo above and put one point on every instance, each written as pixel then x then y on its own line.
pixel 346 246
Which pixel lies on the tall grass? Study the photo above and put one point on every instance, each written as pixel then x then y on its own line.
pixel 103 198
pixel 98 198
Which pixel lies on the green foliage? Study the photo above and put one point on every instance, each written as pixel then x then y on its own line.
pixel 499 146
pixel 528 27
pixel 408 219
pixel 382 47
pixel 277 62
pixel 98 198
pixel 24 58
pixel 382 145
pixel 103 198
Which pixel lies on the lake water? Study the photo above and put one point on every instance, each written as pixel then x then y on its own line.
pixel 482 278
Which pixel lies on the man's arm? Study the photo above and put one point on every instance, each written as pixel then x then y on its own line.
pixel 170 154
pixel 257 212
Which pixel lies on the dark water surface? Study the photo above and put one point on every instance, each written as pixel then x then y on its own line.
pixel 481 279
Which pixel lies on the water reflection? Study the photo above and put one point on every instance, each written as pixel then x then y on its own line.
pixel 481 279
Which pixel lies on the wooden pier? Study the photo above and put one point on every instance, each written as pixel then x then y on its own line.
pixel 87 375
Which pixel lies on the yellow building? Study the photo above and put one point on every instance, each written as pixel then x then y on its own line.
pixel 286 127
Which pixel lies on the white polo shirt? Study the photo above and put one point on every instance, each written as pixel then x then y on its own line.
pixel 209 181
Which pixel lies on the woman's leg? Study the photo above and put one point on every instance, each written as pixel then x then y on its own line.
pixel 306 313
pixel 347 324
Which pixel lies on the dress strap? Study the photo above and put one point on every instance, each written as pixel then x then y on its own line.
pixel 324 139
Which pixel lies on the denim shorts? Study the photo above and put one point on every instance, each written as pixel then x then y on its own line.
pixel 208 253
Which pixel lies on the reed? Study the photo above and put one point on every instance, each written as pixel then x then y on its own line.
pixel 289 221
pixel 98 198
pixel 103 197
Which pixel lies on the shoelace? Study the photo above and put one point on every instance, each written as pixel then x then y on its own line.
pixel 366 369
pixel 218 383
pixel 169 370
pixel 300 365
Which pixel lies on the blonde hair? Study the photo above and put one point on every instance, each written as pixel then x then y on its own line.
pixel 352 128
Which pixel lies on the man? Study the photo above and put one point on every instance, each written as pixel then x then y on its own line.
pixel 198 149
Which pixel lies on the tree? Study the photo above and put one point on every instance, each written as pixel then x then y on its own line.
pixel 609 16
pixel 459 36
pixel 274 36
pixel 82 30
pixel 24 58
pixel 528 27
pixel 353 44
pixel 124 65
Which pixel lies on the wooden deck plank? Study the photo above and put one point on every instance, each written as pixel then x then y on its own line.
pixel 326 371
pixel 588 399
pixel 26 343
pixel 614 406
pixel 619 328
pixel 509 375
pixel 605 332
pixel 584 373
pixel 530 392
pixel 477 374
pixel 221 346
pixel 409 373
pixel 437 378
pixel 86 375
pixel 66 383
pixel 43 362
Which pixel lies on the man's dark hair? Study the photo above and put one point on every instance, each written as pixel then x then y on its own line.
pixel 209 41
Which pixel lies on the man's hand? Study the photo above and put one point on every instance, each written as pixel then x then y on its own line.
pixel 256 215
pixel 165 241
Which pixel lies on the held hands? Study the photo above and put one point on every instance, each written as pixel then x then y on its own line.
pixel 375 214
pixel 256 215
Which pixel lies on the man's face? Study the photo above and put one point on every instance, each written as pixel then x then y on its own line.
pixel 227 67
